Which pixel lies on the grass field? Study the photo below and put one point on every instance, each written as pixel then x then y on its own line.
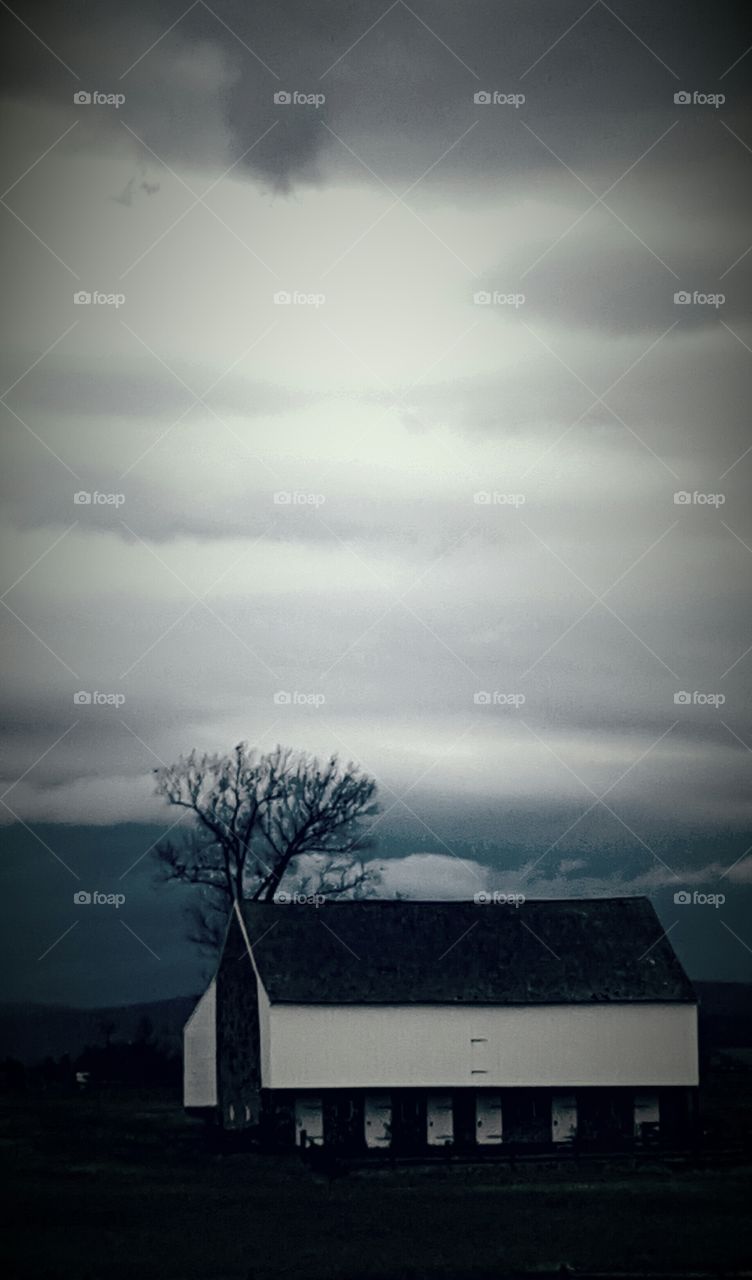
pixel 124 1186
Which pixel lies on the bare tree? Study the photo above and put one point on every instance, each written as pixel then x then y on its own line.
pixel 338 878
pixel 253 816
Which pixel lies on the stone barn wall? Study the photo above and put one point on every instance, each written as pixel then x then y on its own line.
pixel 238 1035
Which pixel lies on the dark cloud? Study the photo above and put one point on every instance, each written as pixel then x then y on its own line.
pixel 600 94
pixel 615 286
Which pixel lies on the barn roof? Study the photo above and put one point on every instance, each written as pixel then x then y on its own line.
pixel 381 951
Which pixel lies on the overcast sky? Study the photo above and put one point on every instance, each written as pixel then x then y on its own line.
pixel 479 583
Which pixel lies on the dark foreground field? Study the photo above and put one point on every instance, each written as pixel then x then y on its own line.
pixel 123 1186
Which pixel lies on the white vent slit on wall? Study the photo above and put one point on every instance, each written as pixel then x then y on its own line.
pixel 479 1058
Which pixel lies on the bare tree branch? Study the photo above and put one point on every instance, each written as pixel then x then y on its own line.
pixel 250 818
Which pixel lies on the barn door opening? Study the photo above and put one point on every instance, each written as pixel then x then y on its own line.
pixel 488 1125
pixel 563 1117
pixel 377 1117
pixel 439 1120
pixel 647 1117
pixel 309 1120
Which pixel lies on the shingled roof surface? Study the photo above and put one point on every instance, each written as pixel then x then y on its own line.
pixel 407 952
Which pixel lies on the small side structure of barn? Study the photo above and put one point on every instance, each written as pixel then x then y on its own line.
pixel 408 1025
pixel 200 1054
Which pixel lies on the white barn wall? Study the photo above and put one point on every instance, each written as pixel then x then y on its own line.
pixel 264 1009
pixel 336 1046
pixel 200 1052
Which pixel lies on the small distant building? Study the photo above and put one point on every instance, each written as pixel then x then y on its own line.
pixel 408 1025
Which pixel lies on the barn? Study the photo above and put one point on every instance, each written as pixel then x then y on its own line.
pixel 410 1025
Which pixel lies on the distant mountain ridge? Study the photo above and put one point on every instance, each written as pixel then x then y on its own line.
pixel 32 1032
